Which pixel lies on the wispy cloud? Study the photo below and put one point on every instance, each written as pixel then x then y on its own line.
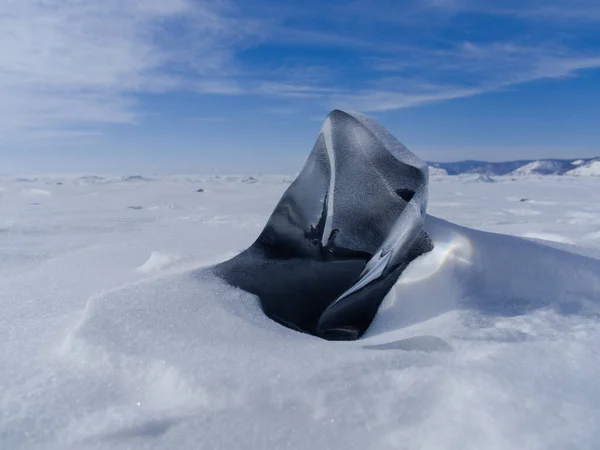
pixel 295 90
pixel 72 63
pixel 556 10
pixel 469 70
pixel 69 67
pixel 421 75
pixel 426 64
pixel 378 100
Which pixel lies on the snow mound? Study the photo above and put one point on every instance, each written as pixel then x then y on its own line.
pixel 591 168
pixel 186 361
pixel 548 237
pixel 94 357
pixel 249 180
pixel 437 171
pixel 135 178
pixel 35 192
pixel 539 168
pixel 158 261
pixel 480 178
pixel 593 235
pixel 91 179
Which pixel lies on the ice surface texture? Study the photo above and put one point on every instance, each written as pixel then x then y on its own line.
pixel 110 340
pixel 342 233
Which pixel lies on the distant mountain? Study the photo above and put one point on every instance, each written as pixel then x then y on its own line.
pixel 589 168
pixel 581 167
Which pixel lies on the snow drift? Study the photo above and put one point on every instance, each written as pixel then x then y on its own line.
pixel 187 361
pixel 113 336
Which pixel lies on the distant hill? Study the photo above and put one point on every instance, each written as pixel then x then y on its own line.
pixel 577 167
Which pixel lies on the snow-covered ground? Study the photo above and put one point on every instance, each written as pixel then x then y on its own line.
pixel 112 337
pixel 590 169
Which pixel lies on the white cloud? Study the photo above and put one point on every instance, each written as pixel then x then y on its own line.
pixel 418 75
pixel 67 67
pixel 291 90
pixel 409 71
pixel 74 63
pixel 373 100
pixel 555 10
pixel 468 69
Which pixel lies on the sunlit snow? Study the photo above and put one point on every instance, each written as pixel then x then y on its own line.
pixel 114 337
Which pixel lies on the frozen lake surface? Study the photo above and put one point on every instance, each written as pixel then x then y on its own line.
pixel 113 337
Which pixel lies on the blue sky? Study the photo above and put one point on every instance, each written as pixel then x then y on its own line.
pixel 194 86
